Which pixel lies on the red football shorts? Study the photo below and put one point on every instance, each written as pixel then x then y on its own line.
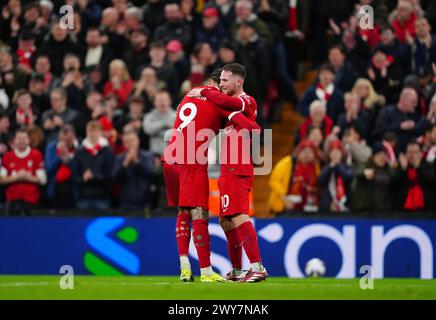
pixel 234 194
pixel 187 186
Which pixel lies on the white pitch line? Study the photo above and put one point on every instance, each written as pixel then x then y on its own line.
pixel 24 284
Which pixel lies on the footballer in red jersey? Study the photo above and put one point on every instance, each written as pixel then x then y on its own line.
pixel 185 162
pixel 23 172
pixel 236 177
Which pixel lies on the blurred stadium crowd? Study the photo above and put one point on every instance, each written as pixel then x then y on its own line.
pixel 85 99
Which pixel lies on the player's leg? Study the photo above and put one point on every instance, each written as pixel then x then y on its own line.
pixel 234 247
pixel 183 222
pixel 200 232
pixel 194 194
pixel 248 236
pixel 183 236
pixel 235 195
pixel 234 244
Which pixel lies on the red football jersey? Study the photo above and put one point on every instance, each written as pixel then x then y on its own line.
pixel 236 146
pixel 30 162
pixel 197 122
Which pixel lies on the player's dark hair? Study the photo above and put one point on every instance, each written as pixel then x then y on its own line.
pixel 215 75
pixel 236 68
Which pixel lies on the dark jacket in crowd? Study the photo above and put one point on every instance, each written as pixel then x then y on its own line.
pixel 277 17
pixel 401 54
pixel 390 120
pixel 174 31
pixel 106 57
pixel 154 14
pixel 426 180
pixel 335 105
pixel 134 180
pixel 373 196
pixel 213 37
pixel 135 59
pixel 251 53
pixel 342 170
pixel 69 116
pixel 363 121
pixel 390 85
pixel 346 77
pixel 101 166
pixel 56 50
pixel 52 164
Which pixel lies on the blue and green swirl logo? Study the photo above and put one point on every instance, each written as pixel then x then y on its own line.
pixel 109 256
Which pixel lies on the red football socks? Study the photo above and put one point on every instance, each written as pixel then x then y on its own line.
pixel 234 247
pixel 202 241
pixel 248 236
pixel 183 233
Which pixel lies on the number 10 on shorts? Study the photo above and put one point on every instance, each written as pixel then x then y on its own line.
pixel 225 201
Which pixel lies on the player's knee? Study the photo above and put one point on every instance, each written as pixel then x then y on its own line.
pixel 199 213
pixel 239 219
pixel 184 211
pixel 227 223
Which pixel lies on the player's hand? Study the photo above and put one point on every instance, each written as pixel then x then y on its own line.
pixel 196 92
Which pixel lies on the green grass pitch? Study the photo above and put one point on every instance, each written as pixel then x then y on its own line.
pixel 170 288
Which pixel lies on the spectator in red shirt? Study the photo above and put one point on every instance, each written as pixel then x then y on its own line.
pixel 119 82
pixel 23 172
pixel 404 21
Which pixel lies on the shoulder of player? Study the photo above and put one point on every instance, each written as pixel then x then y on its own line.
pixel 249 100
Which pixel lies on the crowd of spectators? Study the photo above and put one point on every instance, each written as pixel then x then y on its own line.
pixel 86 98
pixel 368 142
